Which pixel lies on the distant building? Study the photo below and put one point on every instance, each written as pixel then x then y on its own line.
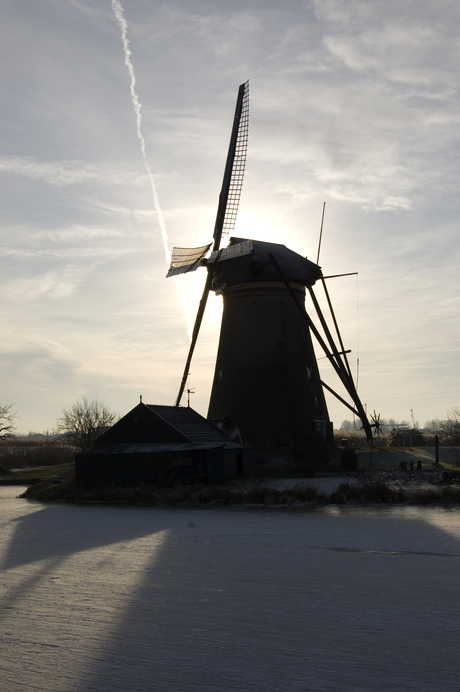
pixel 160 445
pixel 404 437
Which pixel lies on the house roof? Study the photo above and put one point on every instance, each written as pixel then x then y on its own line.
pixel 188 422
pixel 165 425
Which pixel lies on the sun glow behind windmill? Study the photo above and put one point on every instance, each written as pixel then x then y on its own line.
pixel 266 379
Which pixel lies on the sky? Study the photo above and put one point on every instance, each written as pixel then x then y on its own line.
pixel 116 119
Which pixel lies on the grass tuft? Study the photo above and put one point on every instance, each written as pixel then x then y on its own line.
pixel 368 493
pixel 443 496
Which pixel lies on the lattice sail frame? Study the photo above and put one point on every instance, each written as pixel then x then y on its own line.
pixel 239 165
pixel 183 256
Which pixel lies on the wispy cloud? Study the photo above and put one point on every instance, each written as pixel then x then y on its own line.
pixel 63 173
pixel 35 343
pixel 92 253
pixel 52 285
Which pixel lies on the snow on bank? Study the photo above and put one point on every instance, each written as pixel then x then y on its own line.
pixel 124 598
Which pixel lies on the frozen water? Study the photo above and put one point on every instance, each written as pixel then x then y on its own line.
pixel 124 598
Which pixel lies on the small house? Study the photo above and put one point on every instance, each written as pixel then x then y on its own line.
pixel 160 445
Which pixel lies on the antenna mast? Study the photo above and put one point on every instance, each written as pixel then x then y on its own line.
pixel 321 232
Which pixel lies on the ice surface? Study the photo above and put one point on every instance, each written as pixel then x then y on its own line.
pixel 123 598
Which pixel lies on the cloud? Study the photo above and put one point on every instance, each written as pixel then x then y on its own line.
pixel 36 355
pixel 63 173
pixel 51 285
pixel 91 253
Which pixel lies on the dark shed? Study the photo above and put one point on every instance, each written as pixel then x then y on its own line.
pixel 162 444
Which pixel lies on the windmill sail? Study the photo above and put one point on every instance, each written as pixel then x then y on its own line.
pixel 186 259
pixel 229 198
pixel 238 165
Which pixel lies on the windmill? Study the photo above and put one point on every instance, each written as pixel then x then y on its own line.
pixel 375 417
pixel 266 381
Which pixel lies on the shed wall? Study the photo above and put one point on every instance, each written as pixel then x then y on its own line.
pixel 161 468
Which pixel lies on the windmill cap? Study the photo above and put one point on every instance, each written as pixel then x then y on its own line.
pixel 294 267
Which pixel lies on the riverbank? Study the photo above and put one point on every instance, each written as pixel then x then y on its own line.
pixel 373 487
pixel 385 476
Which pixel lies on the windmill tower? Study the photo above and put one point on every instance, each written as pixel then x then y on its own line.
pixel 266 381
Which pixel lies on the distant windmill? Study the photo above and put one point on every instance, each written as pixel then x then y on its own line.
pixel 375 417
pixel 266 380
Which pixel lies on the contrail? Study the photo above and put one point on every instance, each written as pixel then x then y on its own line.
pixel 119 14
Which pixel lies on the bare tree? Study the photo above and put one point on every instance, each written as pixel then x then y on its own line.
pixel 449 429
pixel 347 425
pixel 84 421
pixel 7 418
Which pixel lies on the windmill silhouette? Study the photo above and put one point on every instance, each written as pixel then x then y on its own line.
pixel 266 381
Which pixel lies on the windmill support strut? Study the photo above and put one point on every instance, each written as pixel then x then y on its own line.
pixel 334 357
pixel 336 364
pixel 342 401
pixel 336 326
pixel 346 374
